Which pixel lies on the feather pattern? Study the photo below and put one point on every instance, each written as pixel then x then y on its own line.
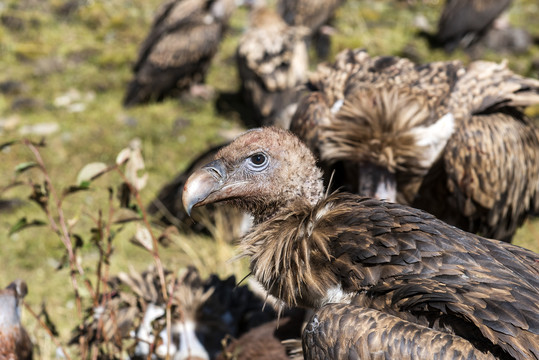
pixel 272 62
pixel 176 53
pixel 412 133
pixel 332 334
pixel 342 248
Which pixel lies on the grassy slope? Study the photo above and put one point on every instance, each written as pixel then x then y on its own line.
pixel 52 54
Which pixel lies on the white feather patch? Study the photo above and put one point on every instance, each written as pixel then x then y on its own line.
pixel 337 106
pixel 336 295
pixel 434 138
pixel 190 347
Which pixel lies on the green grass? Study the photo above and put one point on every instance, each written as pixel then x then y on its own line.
pixel 91 52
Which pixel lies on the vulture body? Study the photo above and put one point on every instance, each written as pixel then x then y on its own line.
pixel 14 340
pixel 311 249
pixel 466 21
pixel 449 139
pixel 272 62
pixel 313 14
pixel 177 52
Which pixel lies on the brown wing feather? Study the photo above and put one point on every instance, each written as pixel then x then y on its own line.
pixel 492 168
pixel 408 262
pixel 460 18
pixel 339 331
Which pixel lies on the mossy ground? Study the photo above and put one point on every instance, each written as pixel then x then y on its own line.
pixel 87 55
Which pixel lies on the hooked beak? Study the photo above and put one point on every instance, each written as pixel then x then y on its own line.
pixel 203 185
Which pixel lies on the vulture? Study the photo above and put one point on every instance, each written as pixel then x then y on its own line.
pixel 313 14
pixel 272 62
pixel 14 340
pixel 463 22
pixel 443 288
pixel 231 224
pixel 131 316
pixel 443 137
pixel 176 54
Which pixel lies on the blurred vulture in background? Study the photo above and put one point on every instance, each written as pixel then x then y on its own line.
pixel 176 54
pixel 275 340
pixel 449 139
pixel 14 340
pixel 313 14
pixel 131 316
pixel 408 273
pixel 272 62
pixel 464 22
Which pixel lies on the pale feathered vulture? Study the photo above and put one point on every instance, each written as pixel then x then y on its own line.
pixel 177 52
pixel 131 316
pixel 463 22
pixel 449 139
pixel 272 62
pixel 310 249
pixel 315 15
pixel 14 340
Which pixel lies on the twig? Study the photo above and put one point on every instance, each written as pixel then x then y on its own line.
pixel 44 326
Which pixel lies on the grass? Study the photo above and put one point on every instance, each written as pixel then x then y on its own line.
pixel 87 55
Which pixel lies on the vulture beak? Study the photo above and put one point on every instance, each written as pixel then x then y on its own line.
pixel 203 185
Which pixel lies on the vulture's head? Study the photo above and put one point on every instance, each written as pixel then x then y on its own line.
pixel 259 172
pixel 10 301
pixel 388 138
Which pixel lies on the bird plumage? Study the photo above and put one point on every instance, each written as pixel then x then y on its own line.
pixel 313 14
pixel 177 52
pixel 266 341
pixel 131 315
pixel 272 62
pixel 465 21
pixel 310 249
pixel 15 342
pixel 332 333
pixel 390 128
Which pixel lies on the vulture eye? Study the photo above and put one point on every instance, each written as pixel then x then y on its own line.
pixel 258 161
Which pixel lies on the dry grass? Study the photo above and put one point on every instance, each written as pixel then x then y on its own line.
pixel 89 53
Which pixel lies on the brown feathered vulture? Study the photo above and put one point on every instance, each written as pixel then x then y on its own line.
pixel 177 52
pixel 463 22
pixel 313 14
pixel 14 340
pixel 265 342
pixel 311 249
pixel 272 62
pixel 449 139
